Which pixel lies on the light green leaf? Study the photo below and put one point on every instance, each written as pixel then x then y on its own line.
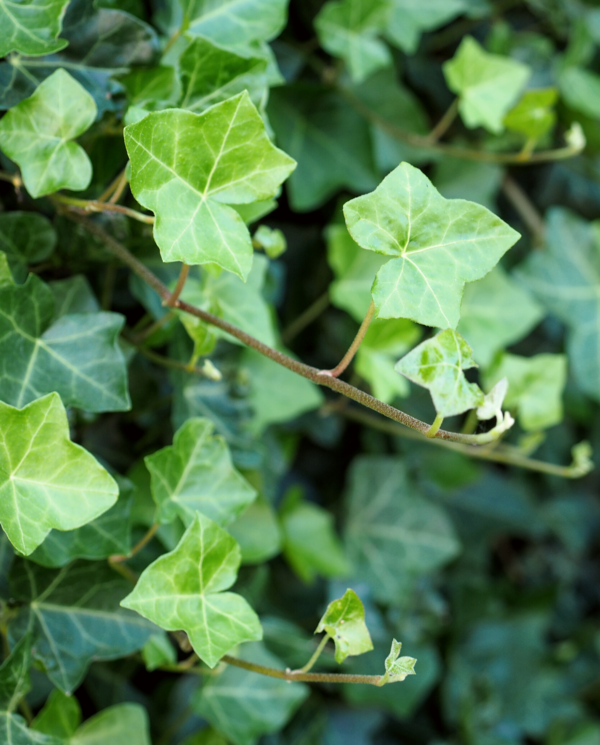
pixel 25 238
pixel 243 705
pixel 487 84
pixel 344 621
pixel 310 543
pixel 383 343
pixel 496 312
pixel 276 394
pixel 438 244
pixel 493 401
pixel 271 240
pixel 258 533
pixel 31 27
pixel 397 668
pixel 392 533
pixel 349 29
pixel 60 716
pixel 75 613
pixel 124 724
pixel 158 651
pixel 46 481
pixel 78 355
pixel 14 675
pixel 565 277
pixel 580 90
pixel 13 731
pixel 183 590
pixel 534 115
pixel 409 19
pixel 38 135
pixel 153 89
pixel 535 387
pixel 328 138
pixel 210 75
pixel 195 474
pixel 438 364
pixel 234 163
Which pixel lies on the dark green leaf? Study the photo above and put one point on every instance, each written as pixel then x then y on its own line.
pixel 25 238
pixel 14 675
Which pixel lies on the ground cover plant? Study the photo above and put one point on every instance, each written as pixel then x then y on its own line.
pixel 299 372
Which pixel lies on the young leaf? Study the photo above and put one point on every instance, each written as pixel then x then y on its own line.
pixel 396 667
pixel 535 387
pixel 492 402
pixel 438 244
pixel 234 163
pixel 234 701
pixel 123 724
pixel 409 19
pixel 438 364
pixel 78 355
pixel 31 27
pixel 38 135
pixel 534 115
pixel 183 590
pixel 14 731
pixel 195 474
pixel 344 621
pixel 25 238
pixel 46 481
pixel 271 240
pixel 14 675
pixel 60 716
pixel 75 614
pixel 349 29
pixel 487 84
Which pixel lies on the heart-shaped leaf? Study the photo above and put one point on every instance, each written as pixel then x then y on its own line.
pixel 344 621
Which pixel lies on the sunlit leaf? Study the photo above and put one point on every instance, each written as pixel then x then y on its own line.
pixel 344 621
pixel 31 27
pixel 183 590
pixel 234 163
pixel 437 245
pixel 38 135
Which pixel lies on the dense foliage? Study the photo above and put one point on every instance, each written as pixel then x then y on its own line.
pixel 253 255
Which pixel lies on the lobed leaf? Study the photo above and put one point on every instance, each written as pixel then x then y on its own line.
pixel 344 621
pixel 31 27
pixel 396 667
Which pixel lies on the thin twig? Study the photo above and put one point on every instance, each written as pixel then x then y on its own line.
pixel 85 205
pixel 306 317
pixel 353 349
pixel 525 207
pixel 151 532
pixel 444 123
pixel 298 676
pixel 317 653
pixel 174 297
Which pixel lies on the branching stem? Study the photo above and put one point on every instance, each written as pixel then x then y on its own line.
pixel 302 677
pixel 93 205
pixel 435 427
pixel 353 349
pixel 309 665
pixel 183 275
pixel 117 559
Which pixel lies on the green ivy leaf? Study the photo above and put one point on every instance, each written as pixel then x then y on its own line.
pixel 535 387
pixel 580 90
pixel 183 590
pixel 258 533
pixel 565 278
pixel 38 135
pixel 534 114
pixel 158 651
pixel 409 19
pixel 194 220
pixel 271 240
pixel 13 731
pixel 73 295
pixel 31 27
pixel 210 75
pixel 153 89
pixel 438 244
pixel 60 716
pixel 349 29
pixel 75 614
pixel 234 701
pixel 25 238
pixel 487 84
pixel 195 474
pixel 396 667
pixel 124 724
pixel 15 682
pixel 393 533
pixel 438 364
pixel 344 621
pixel 46 481
pixel 77 355
pixel 496 312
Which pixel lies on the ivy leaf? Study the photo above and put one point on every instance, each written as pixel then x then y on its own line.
pixel 393 533
pixel 396 667
pixel 195 474
pixel 183 590
pixel 234 163
pixel 271 240
pixel 123 724
pixel 233 702
pixel 438 245
pixel 487 84
pixel 579 89
pixel 14 675
pixel 210 75
pixel 25 238
pixel 74 611
pixel 153 89
pixel 565 278
pixel 384 341
pixel 438 364
pixel 534 115
pixel 344 621
pixel 535 387
pixel 60 716
pixel 38 135
pixel 78 355
pixel 46 481
pixel 496 312
pixel 73 295
pixel 258 533
pixel 14 731
pixel 349 29
pixel 31 27
pixel 408 19
pixel 158 651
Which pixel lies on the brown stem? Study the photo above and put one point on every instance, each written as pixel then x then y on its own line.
pixel 92 205
pixel 120 188
pixel 525 207
pixel 163 361
pixel 118 558
pixel 353 349
pixel 110 189
pixel 297 676
pixel 174 297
